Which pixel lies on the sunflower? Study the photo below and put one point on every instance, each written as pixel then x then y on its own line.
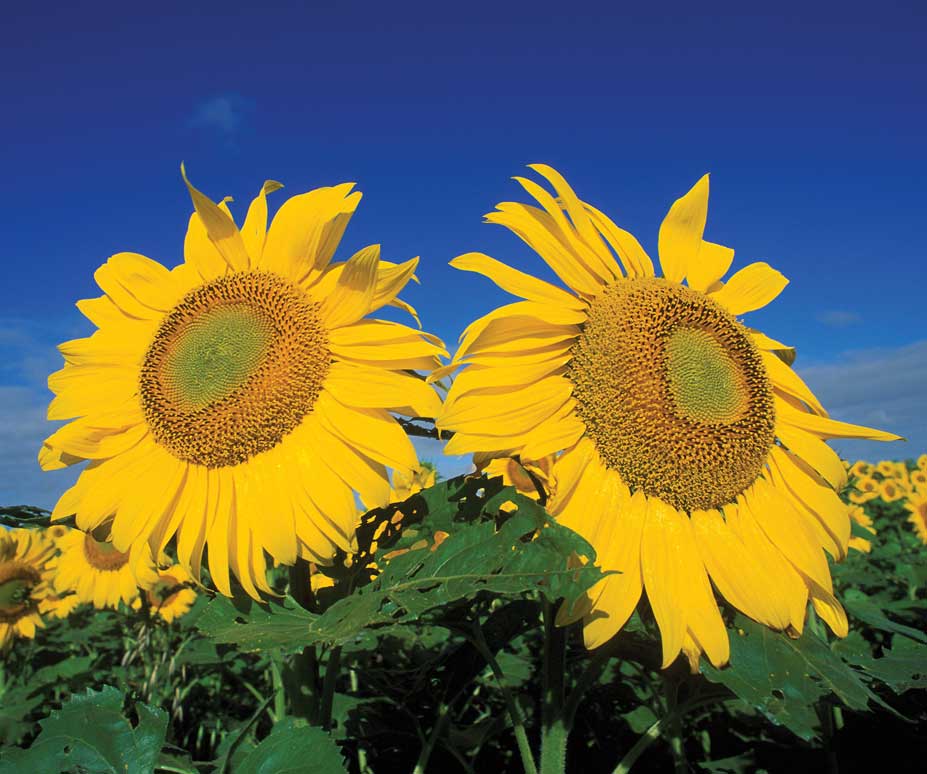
pixel 864 490
pixel 885 467
pixel 890 490
pixel 922 462
pixel 240 399
pixel 860 468
pixel 691 449
pixel 917 507
pixel 171 595
pixel 919 480
pixel 92 569
pixel 24 582
pixel 858 515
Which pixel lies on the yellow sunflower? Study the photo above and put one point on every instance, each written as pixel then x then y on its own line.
pixel 890 491
pixel 922 462
pixel 240 399
pixel 171 596
pixel 24 582
pixel 858 515
pixel 860 468
pixel 692 450
pixel 886 467
pixel 864 490
pixel 919 480
pixel 94 571
pixel 917 507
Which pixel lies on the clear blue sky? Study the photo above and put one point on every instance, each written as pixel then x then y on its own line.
pixel 810 118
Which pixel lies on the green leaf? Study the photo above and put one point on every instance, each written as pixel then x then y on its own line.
pixel 784 677
pixel 293 748
pixel 862 607
pixel 91 735
pixel 901 667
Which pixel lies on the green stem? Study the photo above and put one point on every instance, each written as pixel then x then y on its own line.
pixel 518 723
pixel 436 733
pixel 328 687
pixel 674 725
pixel 279 692
pixel 303 687
pixel 554 731
pixel 655 731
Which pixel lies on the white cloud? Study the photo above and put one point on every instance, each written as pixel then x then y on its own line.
pixel 882 388
pixel 838 318
pixel 224 113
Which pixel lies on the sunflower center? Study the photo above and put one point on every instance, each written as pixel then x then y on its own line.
pixel 234 368
pixel 673 393
pixel 16 585
pixel 103 555
pixel 164 591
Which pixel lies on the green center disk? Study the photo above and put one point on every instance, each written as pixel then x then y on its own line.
pixel 14 593
pixel 215 354
pixel 705 382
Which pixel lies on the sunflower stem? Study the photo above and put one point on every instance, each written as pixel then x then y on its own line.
pixel 303 686
pixel 518 723
pixel 428 747
pixel 332 669
pixel 674 725
pixel 554 731
pixel 279 692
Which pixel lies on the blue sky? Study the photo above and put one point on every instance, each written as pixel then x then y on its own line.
pixel 810 120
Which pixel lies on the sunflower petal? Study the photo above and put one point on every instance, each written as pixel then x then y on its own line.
pixel 254 229
pixel 681 232
pixel 516 282
pixel 710 265
pixel 220 228
pixel 352 296
pixel 751 288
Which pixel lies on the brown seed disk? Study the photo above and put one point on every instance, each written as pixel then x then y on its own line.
pixel 234 368
pixel 673 392
pixel 103 556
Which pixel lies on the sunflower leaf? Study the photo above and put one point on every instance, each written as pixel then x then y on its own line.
pixel 90 733
pixel 784 678
pixel 289 748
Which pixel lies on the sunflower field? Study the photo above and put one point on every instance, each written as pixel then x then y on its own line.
pixel 657 562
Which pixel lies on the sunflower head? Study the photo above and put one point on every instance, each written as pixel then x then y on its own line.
pixel 687 448
pixel 242 399
pixel 171 595
pixel 24 582
pixel 916 506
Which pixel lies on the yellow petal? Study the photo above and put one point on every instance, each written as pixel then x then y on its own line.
pixel 83 439
pixel 352 296
pixel 371 431
pixel 633 257
pixel 102 312
pixel 815 452
pixel 710 264
pixel 356 385
pixel 391 279
pixel 681 231
pixel 796 478
pixel 554 435
pixel 217 536
pixel 788 381
pixel 254 231
pixel 138 285
pixel 736 572
pixel 476 378
pixel 589 243
pixel 220 228
pixel 306 230
pixel 664 581
pixel 751 288
pixel 518 283
pixel 828 428
pixel 540 232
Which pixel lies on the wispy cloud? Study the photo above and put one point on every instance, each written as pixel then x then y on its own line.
pixel 881 388
pixel 225 114
pixel 838 318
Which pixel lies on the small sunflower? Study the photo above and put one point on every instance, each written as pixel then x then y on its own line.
pixel 691 449
pixel 922 462
pixel 92 569
pixel 916 505
pixel 885 467
pixel 919 480
pixel 864 490
pixel 860 468
pixel 24 582
pixel 171 595
pixel 858 515
pixel 240 399
pixel 890 491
